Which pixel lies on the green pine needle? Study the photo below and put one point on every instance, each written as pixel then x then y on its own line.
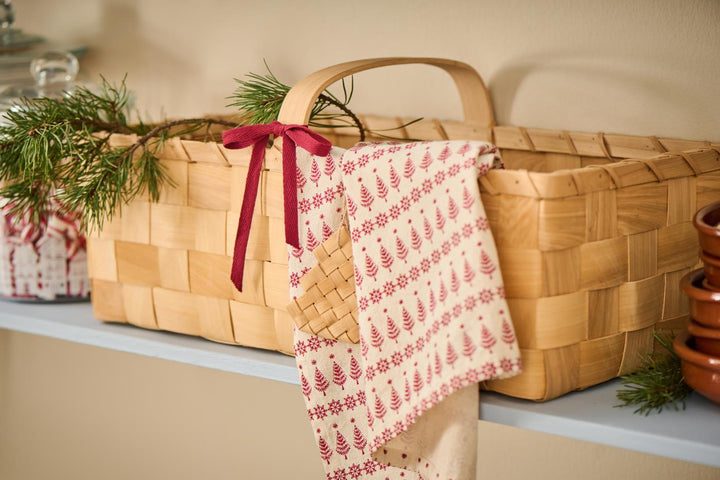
pixel 59 148
pixel 658 384
pixel 259 98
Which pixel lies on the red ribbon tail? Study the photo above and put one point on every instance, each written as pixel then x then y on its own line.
pixel 248 206
pixel 292 236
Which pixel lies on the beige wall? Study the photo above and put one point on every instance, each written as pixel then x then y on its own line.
pixel 74 412
pixel 636 67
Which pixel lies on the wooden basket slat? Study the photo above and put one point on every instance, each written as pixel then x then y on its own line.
pixel 138 306
pixel 254 325
pixel 178 171
pixel 600 359
pixel 174 270
pixel 137 264
pixel 102 263
pixel 642 255
pixel 637 343
pixel 107 300
pixel 209 186
pixel 603 312
pixel 675 303
pixel 639 305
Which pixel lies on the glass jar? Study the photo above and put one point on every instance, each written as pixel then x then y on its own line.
pixel 45 261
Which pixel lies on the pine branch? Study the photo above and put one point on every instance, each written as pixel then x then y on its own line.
pixel 59 148
pixel 658 384
pixel 259 98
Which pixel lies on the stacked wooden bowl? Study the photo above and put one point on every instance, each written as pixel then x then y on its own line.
pixel 699 347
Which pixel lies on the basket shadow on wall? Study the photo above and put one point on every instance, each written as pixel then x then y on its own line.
pixel 590 93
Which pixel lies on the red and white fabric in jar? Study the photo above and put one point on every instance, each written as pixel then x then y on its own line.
pixel 43 261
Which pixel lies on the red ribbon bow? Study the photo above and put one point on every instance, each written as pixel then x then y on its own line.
pixel 257 136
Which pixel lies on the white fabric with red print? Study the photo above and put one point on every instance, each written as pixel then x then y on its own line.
pixel 433 317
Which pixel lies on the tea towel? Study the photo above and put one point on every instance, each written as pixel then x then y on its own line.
pixel 433 319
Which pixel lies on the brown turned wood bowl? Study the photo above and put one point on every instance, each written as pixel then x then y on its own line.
pixel 705 222
pixel 704 303
pixel 707 340
pixel 712 270
pixel 700 370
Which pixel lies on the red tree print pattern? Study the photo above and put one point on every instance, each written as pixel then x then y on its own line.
pixel 468 345
pixel 366 198
pixel 426 161
pixel 392 329
pixel 445 154
pixel 421 312
pixel 468 199
pixel 311 242
pixel 355 370
pixel 407 320
pixel 439 219
pixel 321 383
pixel 454 282
pixel 394 178
pixel 407 395
pixel 507 335
pixel 427 229
pixel 380 409
pixel 415 240
pixel 371 268
pixel 409 170
pixel 386 259
pixel 300 178
pixel 487 340
pixel 326 231
pixel 486 264
pixel 468 272
pixel 339 377
pixel 382 189
pixel 325 451
pixel 401 249
pixel 351 207
pixel 376 338
pixel 417 382
pixel 329 166
pixel 453 209
pixel 315 173
pixel 395 400
pixel 341 445
pixel 451 355
pixel 359 440
pixel 305 386
pixel 438 363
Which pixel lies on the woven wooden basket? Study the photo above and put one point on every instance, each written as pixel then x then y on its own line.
pixel 593 231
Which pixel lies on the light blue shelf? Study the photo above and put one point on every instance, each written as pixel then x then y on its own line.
pixel 692 435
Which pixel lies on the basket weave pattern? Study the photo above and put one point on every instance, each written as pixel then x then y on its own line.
pixel 591 257
pixel 329 306
pixel 593 231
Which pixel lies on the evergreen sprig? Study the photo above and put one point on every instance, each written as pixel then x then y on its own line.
pixel 59 148
pixel 658 384
pixel 259 98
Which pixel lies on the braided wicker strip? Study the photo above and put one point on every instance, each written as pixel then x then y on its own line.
pixel 329 308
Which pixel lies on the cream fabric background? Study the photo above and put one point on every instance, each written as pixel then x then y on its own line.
pixel 636 67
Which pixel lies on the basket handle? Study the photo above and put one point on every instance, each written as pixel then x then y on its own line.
pixel 477 107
